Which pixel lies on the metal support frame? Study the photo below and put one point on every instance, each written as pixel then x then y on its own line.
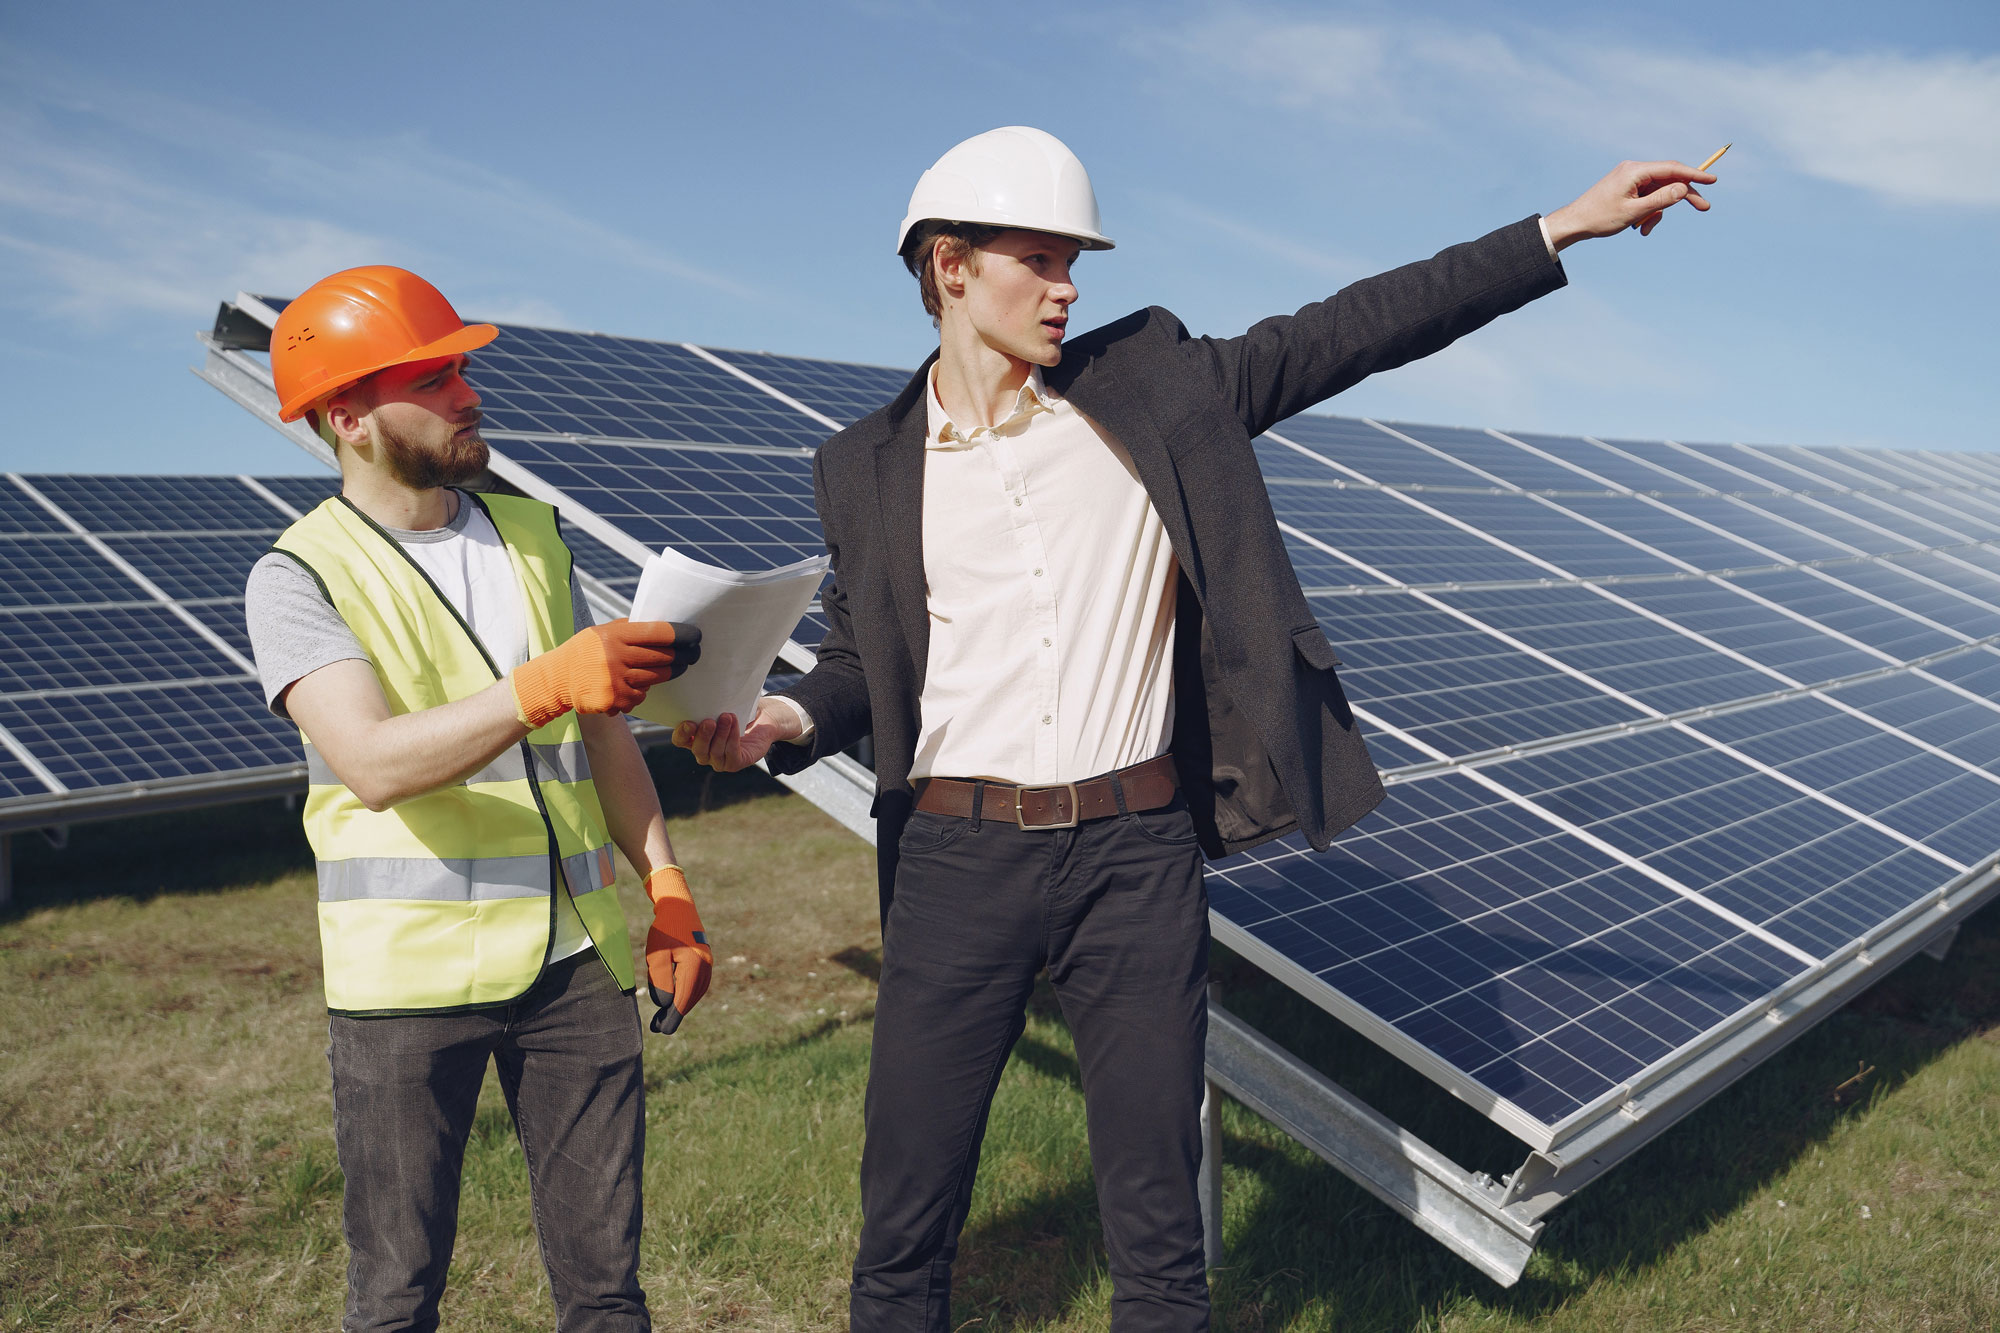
pixel 1493 1225
pixel 6 869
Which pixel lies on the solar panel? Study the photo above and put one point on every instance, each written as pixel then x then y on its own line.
pixel 1675 735
pixel 125 672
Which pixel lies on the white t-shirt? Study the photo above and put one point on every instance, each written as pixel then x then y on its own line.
pixel 472 569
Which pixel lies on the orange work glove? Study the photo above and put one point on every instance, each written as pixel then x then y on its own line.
pixel 604 669
pixel 678 959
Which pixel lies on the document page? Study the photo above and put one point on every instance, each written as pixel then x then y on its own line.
pixel 744 620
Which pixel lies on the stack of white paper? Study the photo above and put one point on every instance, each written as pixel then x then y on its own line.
pixel 744 621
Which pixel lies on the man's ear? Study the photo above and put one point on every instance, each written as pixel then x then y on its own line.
pixel 341 423
pixel 951 260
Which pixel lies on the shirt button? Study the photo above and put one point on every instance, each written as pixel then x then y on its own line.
pixel 1017 502
pixel 1047 718
pixel 1038 573
pixel 1048 643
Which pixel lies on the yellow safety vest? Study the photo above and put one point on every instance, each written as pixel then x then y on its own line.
pixel 446 901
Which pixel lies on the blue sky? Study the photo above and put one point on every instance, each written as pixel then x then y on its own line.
pixel 732 175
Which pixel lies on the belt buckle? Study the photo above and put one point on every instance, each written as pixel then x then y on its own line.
pixel 1020 807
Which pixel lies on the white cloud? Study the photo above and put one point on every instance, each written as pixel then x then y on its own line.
pixel 114 202
pixel 1922 129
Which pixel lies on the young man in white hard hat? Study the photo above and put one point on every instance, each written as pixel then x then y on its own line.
pixel 468 777
pixel 1062 607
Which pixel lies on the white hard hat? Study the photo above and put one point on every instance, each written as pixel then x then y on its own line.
pixel 1011 177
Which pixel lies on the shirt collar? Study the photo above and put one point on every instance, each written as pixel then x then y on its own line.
pixel 944 433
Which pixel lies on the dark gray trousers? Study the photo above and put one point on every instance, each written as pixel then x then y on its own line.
pixel 404 1092
pixel 1116 912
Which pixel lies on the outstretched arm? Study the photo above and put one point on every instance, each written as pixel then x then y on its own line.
pixel 1288 363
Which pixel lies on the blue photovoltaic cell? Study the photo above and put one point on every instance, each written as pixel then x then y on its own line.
pixel 1451 685
pixel 1406 544
pixel 1671 469
pixel 159 504
pixel 1277 461
pixel 1378 455
pixel 1605 463
pixel 1827 601
pixel 1977 468
pixel 1966 509
pixel 70 650
pixel 302 493
pixel 1809 514
pixel 151 735
pixel 60 570
pixel 1746 842
pixel 1930 508
pixel 226 619
pixel 16 779
pixel 844 392
pixel 1766 471
pixel 1967 728
pixel 1516 953
pixel 599 561
pixel 1509 462
pixel 96 674
pixel 1907 788
pixel 1751 525
pixel 1549 534
pixel 547 381
pixel 1909 529
pixel 20 513
pixel 1803 652
pixel 1665 670
pixel 1967 603
pixel 1665 531
pixel 736 508
pixel 196 566
pixel 1319 569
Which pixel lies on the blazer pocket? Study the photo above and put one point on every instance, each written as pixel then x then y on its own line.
pixel 1311 642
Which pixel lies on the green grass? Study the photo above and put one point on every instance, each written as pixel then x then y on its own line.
pixel 166 1154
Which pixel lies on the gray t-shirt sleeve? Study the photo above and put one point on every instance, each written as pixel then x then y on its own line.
pixel 294 630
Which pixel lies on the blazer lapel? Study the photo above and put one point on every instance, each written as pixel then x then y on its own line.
pixel 1097 392
pixel 899 490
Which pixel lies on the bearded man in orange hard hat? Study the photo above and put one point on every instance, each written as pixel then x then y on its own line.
pixel 469 774
pixel 1063 608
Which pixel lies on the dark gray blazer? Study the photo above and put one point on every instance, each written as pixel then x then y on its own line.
pixel 1263 737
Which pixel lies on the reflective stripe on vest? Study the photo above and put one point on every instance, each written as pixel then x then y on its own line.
pixel 444 901
pixel 404 879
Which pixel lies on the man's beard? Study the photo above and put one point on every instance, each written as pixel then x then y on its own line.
pixel 460 459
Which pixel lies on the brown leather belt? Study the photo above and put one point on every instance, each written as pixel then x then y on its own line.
pixel 1146 786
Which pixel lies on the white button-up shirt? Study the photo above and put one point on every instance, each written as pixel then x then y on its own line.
pixel 1051 591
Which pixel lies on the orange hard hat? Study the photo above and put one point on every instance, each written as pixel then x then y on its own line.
pixel 344 328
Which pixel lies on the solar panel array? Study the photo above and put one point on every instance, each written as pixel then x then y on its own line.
pixel 124 666
pixel 1669 729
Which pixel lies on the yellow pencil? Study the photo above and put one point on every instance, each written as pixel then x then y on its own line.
pixel 1713 158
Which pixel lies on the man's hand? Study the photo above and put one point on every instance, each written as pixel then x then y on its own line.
pixel 603 669
pixel 1635 194
pixel 678 959
pixel 725 746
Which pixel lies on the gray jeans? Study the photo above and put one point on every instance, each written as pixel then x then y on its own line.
pixel 404 1091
